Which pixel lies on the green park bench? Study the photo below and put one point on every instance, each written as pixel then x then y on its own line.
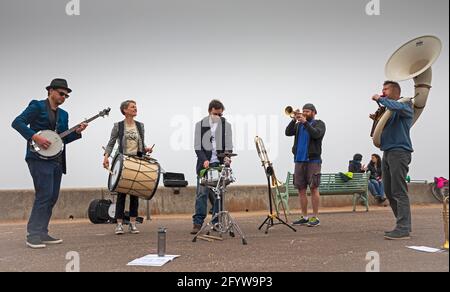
pixel 331 184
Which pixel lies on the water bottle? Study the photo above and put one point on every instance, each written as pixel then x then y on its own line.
pixel 162 232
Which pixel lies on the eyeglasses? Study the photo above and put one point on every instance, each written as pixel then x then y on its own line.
pixel 63 94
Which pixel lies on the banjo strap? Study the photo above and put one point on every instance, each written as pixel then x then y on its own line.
pixel 53 118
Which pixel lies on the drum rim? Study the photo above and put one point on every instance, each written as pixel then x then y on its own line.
pixel 157 182
pixel 111 189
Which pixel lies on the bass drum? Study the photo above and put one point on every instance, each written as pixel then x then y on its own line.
pixel 134 176
pixel 101 211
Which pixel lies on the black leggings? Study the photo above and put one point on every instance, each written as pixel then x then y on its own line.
pixel 120 206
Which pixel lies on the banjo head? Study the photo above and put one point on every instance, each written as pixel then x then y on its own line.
pixel 55 149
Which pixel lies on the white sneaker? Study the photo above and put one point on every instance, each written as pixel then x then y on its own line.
pixel 133 228
pixel 119 229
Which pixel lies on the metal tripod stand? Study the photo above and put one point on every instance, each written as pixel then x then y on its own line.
pixel 272 182
pixel 270 220
pixel 221 222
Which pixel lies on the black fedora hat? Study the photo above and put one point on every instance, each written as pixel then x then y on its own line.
pixel 59 84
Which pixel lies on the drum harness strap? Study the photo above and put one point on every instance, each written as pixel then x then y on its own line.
pixel 122 134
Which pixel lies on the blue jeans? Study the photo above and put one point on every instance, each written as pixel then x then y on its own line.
pixel 376 188
pixel 201 204
pixel 47 176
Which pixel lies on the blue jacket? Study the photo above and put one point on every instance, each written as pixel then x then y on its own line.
pixel 34 119
pixel 396 134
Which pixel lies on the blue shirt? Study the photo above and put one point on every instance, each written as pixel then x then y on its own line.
pixel 303 145
pixel 396 134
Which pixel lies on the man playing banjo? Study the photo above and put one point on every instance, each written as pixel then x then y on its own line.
pixel 46 173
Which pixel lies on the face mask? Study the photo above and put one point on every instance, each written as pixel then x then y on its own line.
pixel 215 119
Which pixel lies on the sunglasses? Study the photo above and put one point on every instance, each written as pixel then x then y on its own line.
pixel 63 94
pixel 218 115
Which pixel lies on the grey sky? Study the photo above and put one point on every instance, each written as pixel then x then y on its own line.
pixel 257 56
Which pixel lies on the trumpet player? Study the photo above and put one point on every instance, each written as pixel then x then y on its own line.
pixel 307 150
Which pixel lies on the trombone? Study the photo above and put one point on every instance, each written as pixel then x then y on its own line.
pixel 268 167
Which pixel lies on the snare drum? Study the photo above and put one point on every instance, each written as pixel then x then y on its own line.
pixel 211 178
pixel 134 176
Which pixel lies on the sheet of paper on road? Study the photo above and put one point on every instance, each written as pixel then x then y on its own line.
pixel 425 249
pixel 152 260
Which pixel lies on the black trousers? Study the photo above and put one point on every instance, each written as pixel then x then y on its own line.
pixel 120 206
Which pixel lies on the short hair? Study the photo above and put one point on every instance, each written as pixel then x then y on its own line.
pixel 124 105
pixel 216 104
pixel 394 84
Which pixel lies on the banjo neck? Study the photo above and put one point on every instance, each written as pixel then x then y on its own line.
pixel 73 129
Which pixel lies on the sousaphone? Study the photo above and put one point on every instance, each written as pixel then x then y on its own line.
pixel 412 61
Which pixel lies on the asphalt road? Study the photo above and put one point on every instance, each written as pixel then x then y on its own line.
pixel 340 244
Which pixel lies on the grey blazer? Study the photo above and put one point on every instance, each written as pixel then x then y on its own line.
pixel 115 139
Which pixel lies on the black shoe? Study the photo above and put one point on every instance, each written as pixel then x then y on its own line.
pixel 47 239
pixel 35 242
pixel 380 200
pixel 387 232
pixel 397 235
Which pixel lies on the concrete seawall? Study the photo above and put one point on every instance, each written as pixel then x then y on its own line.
pixel 17 204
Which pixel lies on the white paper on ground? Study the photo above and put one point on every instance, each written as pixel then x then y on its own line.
pixel 152 260
pixel 425 249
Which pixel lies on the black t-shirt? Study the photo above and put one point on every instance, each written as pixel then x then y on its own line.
pixel 53 117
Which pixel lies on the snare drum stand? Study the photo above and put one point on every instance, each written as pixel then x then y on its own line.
pixel 224 222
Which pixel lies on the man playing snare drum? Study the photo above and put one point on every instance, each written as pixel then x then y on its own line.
pixel 213 136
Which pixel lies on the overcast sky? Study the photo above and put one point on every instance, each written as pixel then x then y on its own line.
pixel 257 56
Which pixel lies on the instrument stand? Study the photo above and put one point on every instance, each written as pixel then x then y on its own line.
pixel 270 220
pixel 225 223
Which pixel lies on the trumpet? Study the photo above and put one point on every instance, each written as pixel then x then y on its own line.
pixel 445 215
pixel 289 111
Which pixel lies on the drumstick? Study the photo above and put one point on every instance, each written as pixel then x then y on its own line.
pixel 110 171
pixel 107 169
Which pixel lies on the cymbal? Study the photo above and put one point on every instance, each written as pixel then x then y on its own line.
pixel 226 154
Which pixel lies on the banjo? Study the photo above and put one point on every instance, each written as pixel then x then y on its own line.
pixel 57 145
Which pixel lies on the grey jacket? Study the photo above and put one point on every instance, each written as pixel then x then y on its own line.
pixel 202 141
pixel 115 139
